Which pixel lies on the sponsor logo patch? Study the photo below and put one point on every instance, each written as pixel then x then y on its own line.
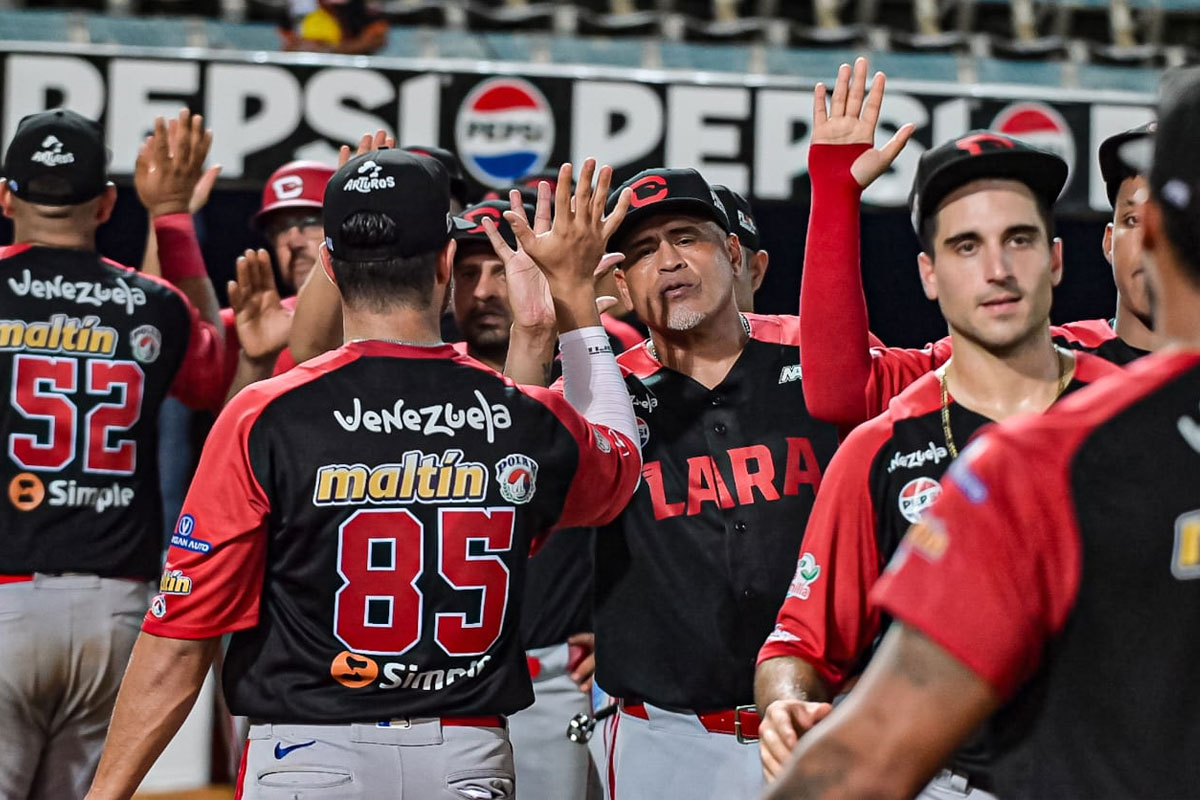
pixel 807 571
pixel 1185 560
pixel 69 494
pixel 173 581
pixel 790 374
pixel 781 635
pixel 643 429
pixel 59 334
pixel 26 491
pixel 918 495
pixel 602 442
pixel 146 343
pixel 352 670
pixel 517 477
pixel 183 536
pixel 369 178
pixel 85 293
pixel 418 476
pixel 158 606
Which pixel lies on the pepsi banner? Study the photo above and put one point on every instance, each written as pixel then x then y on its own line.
pixel 750 134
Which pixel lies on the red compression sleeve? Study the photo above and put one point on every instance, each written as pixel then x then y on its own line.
pixel 834 353
pixel 178 250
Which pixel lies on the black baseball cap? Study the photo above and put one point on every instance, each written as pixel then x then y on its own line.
pixel 1113 170
pixel 666 191
pixel 1170 158
pixel 468 226
pixel 741 217
pixel 982 154
pixel 57 158
pixel 411 189
pixel 458 182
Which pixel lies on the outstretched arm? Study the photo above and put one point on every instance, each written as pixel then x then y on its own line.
pixel 263 324
pixel 914 705
pixel 835 351
pixel 160 686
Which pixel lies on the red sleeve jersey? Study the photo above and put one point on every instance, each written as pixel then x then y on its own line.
pixel 993 572
pixel 199 382
pixel 825 618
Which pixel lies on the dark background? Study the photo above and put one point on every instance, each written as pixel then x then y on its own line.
pixel 900 314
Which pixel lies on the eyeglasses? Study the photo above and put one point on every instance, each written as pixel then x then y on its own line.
pixel 308 224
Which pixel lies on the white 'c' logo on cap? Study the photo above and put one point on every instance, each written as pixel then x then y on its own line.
pixel 288 187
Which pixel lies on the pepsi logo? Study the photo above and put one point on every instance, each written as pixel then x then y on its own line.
pixel 649 189
pixel 504 131
pixel 917 496
pixel 1041 126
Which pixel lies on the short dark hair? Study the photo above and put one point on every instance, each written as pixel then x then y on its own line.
pixel 378 285
pixel 929 226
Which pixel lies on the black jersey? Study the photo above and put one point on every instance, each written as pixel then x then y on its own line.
pixel 558 589
pixel 689 578
pixel 88 351
pixel 1083 620
pixel 1098 337
pixel 363 523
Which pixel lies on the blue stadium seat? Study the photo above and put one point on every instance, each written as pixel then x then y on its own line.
pixel 147 32
pixel 456 44
pixel 1103 76
pixel 997 70
pixel 717 58
pixel 595 50
pixel 241 35
pixel 34 26
pixel 819 65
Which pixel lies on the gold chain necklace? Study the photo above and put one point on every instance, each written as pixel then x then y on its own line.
pixel 1064 379
pixel 653 351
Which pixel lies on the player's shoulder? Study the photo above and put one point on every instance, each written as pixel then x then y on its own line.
pixel 255 398
pixel 637 361
pixel 1090 368
pixel 922 396
pixel 862 445
pixel 1084 333
pixel 775 328
pixel 1052 439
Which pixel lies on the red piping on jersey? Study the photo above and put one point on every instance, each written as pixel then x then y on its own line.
pixel 1087 333
pixel 15 579
pixel 14 249
pixel 622 331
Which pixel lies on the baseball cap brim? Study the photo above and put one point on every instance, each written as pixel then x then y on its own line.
pixel 298 202
pixel 1044 173
pixel 678 206
pixel 1136 154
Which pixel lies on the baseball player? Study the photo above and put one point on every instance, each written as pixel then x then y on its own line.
pixel 848 380
pixel 366 519
pixel 690 576
pixel 990 263
pixel 556 620
pixel 91 350
pixel 742 225
pixel 1058 597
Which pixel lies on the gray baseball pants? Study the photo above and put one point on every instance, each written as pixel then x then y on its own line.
pixel 64 644
pixel 419 759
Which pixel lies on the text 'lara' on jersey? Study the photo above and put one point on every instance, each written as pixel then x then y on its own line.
pixel 1083 575
pixel 689 578
pixel 362 524
pixel 88 351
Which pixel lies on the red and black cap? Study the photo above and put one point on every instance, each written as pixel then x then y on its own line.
pixel 982 154
pixel 413 190
pixel 1170 159
pixel 458 182
pixel 741 216
pixel 297 184
pixel 666 191
pixel 468 226
pixel 1113 170
pixel 57 158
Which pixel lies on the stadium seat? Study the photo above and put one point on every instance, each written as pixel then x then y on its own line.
pixel 40 25
pixel 998 70
pixel 273 11
pixel 241 35
pixel 718 58
pixel 596 50
pixel 621 24
pixel 103 29
pixel 414 14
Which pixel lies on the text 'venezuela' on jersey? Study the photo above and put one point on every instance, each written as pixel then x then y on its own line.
pixel 362 523
pixel 1099 590
pixel 689 578
pixel 88 351
pixel 886 474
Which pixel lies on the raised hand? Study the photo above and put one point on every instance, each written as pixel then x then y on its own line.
pixel 851 118
pixel 529 297
pixel 170 163
pixel 263 324
pixel 379 140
